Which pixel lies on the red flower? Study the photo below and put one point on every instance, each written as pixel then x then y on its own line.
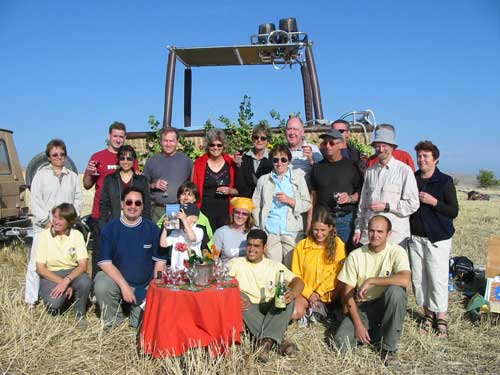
pixel 181 247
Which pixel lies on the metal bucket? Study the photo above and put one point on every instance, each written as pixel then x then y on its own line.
pixel 203 274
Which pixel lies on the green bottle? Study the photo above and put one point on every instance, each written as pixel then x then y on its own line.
pixel 279 297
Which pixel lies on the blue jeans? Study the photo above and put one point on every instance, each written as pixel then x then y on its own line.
pixel 345 229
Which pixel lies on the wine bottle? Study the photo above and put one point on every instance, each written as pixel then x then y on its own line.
pixel 279 297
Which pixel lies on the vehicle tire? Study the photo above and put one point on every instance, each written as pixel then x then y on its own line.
pixel 39 161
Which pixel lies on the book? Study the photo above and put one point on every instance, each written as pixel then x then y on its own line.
pixel 171 211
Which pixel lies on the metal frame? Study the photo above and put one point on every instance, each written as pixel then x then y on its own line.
pixel 296 50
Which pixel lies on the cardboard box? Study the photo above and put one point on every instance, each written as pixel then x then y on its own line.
pixel 493 257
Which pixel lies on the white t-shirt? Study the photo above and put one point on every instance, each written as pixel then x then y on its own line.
pixel 178 236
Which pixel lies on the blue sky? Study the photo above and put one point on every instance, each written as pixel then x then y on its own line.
pixel 431 68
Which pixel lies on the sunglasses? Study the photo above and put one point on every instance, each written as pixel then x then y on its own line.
pixel 127 158
pixel 241 213
pixel 342 130
pixel 259 138
pixel 331 143
pixel 218 145
pixel 283 160
pixel 130 202
pixel 59 155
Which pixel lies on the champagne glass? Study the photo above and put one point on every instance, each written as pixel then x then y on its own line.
pixel 219 275
pixel 176 277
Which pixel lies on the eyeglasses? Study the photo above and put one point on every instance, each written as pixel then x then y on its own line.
pixel 127 158
pixel 241 213
pixel 59 155
pixel 261 138
pixel 218 145
pixel 342 130
pixel 331 143
pixel 283 160
pixel 130 202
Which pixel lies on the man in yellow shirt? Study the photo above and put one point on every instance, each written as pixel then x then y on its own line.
pixel 375 277
pixel 257 277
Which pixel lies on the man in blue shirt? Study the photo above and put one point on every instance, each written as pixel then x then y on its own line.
pixel 129 258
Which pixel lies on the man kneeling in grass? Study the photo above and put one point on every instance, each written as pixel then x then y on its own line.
pixel 129 258
pixel 374 296
pixel 257 277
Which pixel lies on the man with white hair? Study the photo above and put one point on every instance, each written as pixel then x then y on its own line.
pixel 389 189
pixel 304 154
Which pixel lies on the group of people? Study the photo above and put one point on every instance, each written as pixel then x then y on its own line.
pixel 343 230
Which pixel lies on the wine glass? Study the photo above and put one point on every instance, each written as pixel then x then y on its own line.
pixel 192 273
pixel 227 276
pixel 336 196
pixel 219 275
pixel 220 182
pixel 96 165
pixel 167 277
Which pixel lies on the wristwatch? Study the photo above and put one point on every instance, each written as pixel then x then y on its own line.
pixel 350 198
pixel 387 207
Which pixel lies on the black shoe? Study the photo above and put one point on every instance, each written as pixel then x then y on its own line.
pixel 389 358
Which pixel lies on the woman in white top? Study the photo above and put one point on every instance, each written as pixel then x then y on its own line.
pixel 52 185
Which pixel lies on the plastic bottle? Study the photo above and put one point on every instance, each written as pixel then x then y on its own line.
pixel 451 283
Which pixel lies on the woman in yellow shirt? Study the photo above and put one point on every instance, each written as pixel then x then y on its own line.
pixel 318 259
pixel 61 261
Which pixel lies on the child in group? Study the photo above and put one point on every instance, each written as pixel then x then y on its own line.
pixel 188 193
pixel 187 237
pixel 318 259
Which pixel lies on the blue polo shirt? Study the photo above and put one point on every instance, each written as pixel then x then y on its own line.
pixel 278 214
pixel 133 249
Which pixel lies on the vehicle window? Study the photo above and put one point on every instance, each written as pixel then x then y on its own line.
pixel 4 159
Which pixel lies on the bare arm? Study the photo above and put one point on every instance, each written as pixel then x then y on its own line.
pixel 310 212
pixel 296 286
pixel 63 283
pixel 399 279
pixel 351 309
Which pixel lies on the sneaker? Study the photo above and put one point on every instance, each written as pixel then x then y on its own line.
pixel 303 322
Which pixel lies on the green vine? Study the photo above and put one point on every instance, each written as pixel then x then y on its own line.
pixel 239 134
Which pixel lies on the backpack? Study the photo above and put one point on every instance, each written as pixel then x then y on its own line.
pixel 462 268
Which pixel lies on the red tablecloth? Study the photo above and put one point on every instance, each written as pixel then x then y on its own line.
pixel 175 321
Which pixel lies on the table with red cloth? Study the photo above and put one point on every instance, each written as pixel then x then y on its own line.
pixel 175 321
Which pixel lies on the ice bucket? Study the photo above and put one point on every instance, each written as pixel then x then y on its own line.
pixel 203 274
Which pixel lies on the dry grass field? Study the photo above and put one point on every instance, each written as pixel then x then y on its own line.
pixel 36 343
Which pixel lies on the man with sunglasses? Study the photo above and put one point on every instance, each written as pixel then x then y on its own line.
pixel 166 172
pixel 336 183
pixel 129 259
pixel 348 151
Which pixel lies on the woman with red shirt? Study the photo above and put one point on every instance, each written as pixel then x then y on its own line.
pixel 214 175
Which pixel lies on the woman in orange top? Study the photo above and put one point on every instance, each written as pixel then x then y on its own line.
pixel 318 259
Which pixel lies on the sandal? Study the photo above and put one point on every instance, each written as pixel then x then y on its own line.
pixel 427 324
pixel 442 328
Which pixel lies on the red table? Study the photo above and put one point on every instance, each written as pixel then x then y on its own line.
pixel 175 321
